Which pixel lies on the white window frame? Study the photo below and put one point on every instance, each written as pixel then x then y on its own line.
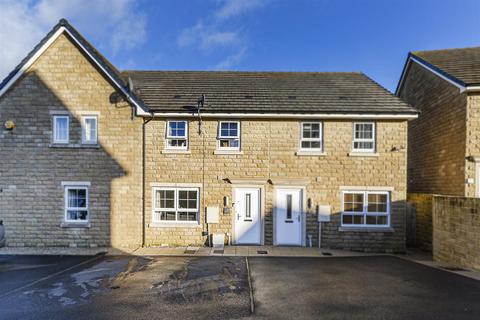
pixel 54 138
pixel 373 139
pixel 319 139
pixel 168 137
pixel 220 137
pixel 365 212
pixel 156 211
pixel 67 208
pixel 84 130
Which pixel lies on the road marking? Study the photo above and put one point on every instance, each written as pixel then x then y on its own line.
pixel 252 301
pixel 98 256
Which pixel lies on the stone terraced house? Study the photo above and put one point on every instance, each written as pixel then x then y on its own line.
pixel 444 142
pixel 91 156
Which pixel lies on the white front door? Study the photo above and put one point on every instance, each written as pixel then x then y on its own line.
pixel 288 217
pixel 248 226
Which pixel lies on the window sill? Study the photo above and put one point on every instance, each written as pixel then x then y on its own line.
pixel 310 153
pixel 363 154
pixel 366 229
pixel 175 225
pixel 174 151
pixel 83 225
pixel 74 146
pixel 227 152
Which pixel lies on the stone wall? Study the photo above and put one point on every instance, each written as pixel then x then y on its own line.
pixel 456 231
pixel 32 170
pixel 472 151
pixel 269 153
pixel 422 206
pixel 436 140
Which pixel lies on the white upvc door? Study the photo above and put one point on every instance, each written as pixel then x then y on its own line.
pixel 288 217
pixel 248 224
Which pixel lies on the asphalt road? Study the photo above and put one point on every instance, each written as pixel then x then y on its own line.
pixel 382 287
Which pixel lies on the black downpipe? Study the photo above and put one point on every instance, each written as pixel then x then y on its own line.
pixel 143 179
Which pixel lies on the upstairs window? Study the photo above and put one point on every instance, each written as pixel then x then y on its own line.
pixel 228 135
pixel 365 208
pixel 364 136
pixel 89 129
pixel 311 136
pixel 61 126
pixel 177 135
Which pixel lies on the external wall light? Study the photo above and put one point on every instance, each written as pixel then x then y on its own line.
pixel 9 125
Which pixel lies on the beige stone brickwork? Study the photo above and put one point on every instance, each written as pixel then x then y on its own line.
pixel 456 231
pixel 31 172
pixel 472 152
pixel 437 139
pixel 268 152
pixel 422 204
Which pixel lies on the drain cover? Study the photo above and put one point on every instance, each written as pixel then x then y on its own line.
pixel 218 251
pixel 262 251
pixel 189 252
pixel 326 254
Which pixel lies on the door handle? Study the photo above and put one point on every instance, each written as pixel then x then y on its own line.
pixel 238 216
pixel 298 217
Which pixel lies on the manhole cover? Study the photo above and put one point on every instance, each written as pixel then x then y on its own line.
pixel 218 251
pixel 326 254
pixel 262 252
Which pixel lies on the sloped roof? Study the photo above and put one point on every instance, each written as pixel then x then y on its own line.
pixel 462 64
pixel 265 92
pixel 101 62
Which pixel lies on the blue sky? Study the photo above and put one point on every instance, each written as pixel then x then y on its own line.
pixel 372 36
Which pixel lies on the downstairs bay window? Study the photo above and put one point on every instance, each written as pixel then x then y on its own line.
pixel 175 205
pixel 365 209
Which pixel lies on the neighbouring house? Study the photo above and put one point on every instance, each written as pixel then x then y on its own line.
pixel 92 156
pixel 444 142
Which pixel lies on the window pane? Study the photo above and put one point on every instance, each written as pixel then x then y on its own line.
pixel 187 216
pixel 61 129
pixel 347 219
pixel 167 215
pixel 377 202
pixel 353 202
pixel 177 142
pixel 177 129
pixel 248 205
pixel 90 128
pixel 72 198
pixel 187 199
pixel 357 219
pixel 229 129
pixel 289 206
pixel 165 199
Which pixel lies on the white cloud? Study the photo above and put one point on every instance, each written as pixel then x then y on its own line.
pixel 232 8
pixel 206 37
pixel 116 25
pixel 212 32
pixel 231 60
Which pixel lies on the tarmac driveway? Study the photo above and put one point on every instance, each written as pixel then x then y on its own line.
pixel 106 287
pixel 375 287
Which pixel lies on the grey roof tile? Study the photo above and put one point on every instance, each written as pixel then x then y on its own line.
pixel 463 64
pixel 265 92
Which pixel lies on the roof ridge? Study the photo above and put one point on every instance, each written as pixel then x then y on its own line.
pixel 446 49
pixel 247 71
